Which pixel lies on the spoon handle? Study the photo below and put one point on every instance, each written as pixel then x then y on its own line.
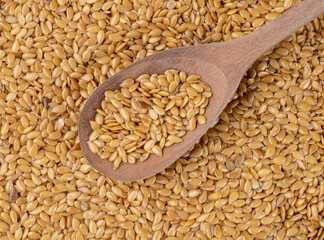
pixel 263 39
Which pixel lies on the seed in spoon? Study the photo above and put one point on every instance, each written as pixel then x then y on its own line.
pixel 147 114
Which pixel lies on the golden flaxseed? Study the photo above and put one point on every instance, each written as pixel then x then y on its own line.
pixel 55 53
pixel 145 116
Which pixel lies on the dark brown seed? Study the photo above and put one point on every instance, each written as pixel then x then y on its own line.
pixel 46 102
pixel 13 195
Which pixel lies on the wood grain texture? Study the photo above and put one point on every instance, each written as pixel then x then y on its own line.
pixel 221 65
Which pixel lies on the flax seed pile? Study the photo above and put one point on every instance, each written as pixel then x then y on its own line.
pixel 147 114
pixel 257 174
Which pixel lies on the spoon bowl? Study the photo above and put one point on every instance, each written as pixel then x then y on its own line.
pixel 221 65
pixel 155 64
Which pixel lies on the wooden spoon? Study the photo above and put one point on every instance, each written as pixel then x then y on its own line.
pixel 221 65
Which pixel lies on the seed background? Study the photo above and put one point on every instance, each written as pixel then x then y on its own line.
pixel 258 174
